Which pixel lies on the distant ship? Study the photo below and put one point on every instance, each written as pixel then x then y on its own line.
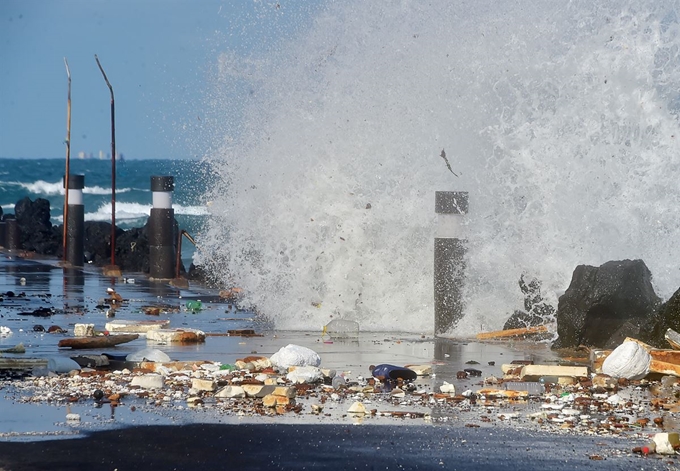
pixel 101 156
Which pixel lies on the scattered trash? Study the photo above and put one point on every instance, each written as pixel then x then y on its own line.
pixel 341 329
pixel 338 382
pixel 19 348
pixel 176 335
pixel 83 330
pixel 295 355
pixel 194 306
pixel 148 354
pixel 305 374
pixel 357 408
pixel 666 443
pixel 61 365
pixel 387 372
pixel 629 360
pixel 135 327
pixel 5 331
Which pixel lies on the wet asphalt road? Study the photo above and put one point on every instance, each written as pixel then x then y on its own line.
pixel 254 447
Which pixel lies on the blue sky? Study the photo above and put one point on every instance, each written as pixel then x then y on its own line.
pixel 158 55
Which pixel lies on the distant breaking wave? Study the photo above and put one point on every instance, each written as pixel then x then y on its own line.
pixel 133 211
pixel 41 187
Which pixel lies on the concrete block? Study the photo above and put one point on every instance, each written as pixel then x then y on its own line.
pixel 230 391
pixel 150 381
pixel 203 384
pixel 83 330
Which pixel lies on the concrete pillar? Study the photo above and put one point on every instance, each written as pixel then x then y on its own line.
pixel 75 231
pixel 12 234
pixel 161 229
pixel 449 259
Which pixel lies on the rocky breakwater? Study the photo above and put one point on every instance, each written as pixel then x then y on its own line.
pixel 38 235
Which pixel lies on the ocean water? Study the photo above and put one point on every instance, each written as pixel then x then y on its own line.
pixel 42 178
pixel 561 120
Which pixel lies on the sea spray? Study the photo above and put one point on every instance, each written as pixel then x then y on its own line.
pixel 561 120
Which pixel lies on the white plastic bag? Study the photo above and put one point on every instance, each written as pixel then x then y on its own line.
pixel 629 360
pixel 305 374
pixel 295 355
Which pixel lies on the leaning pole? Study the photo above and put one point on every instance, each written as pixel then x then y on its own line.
pixel 449 259
pixel 112 269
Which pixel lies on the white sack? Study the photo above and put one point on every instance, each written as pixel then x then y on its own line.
pixel 629 360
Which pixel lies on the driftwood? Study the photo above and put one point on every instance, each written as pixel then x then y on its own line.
pixel 97 342
pixel 540 329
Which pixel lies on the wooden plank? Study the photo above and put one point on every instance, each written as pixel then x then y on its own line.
pixel 656 366
pixel 22 363
pixel 534 372
pixel 512 332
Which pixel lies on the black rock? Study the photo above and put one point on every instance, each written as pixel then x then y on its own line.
pixel 668 317
pixel 605 304
pixel 538 311
pixel 35 227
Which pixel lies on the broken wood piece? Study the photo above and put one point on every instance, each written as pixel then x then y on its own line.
pixel 243 333
pixel 673 338
pixel 22 363
pixel 507 393
pixel 512 332
pixel 662 367
pixel 176 335
pixel 534 372
pixel 18 348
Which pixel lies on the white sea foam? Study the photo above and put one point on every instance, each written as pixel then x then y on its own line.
pixel 561 119
pixel 41 187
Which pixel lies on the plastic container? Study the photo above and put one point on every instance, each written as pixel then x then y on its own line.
pixel 194 306
pixel 61 365
pixel 339 382
pixel 342 329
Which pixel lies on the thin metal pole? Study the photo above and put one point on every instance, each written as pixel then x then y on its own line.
pixel 113 165
pixel 68 157
pixel 178 258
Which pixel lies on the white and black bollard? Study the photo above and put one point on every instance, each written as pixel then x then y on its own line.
pixel 449 259
pixel 75 223
pixel 161 229
pixel 12 234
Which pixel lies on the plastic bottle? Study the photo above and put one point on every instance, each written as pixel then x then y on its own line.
pixel 339 382
pixel 649 448
pixel 342 328
pixel 194 306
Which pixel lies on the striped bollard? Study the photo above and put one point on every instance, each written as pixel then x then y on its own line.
pixel 449 259
pixel 75 230
pixel 161 229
